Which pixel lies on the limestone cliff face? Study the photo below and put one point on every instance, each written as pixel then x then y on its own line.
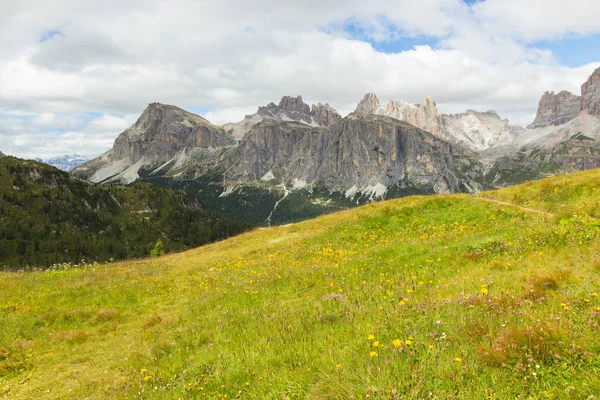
pixel 293 108
pixel 160 134
pixel 424 115
pixel 325 115
pixel 556 109
pixel 590 94
pixel 368 105
pixel 361 154
pixel 427 117
pixel 162 131
pixel 474 130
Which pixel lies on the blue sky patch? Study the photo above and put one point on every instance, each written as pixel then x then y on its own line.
pixel 198 110
pixel 396 40
pixel 49 34
pixel 573 52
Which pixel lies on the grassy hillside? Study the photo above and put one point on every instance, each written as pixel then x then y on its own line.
pixel 49 217
pixel 421 297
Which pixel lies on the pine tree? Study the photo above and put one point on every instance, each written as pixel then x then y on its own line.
pixel 158 249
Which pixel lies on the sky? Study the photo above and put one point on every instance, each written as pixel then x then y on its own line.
pixel 75 74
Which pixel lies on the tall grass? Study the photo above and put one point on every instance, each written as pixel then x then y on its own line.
pixel 422 297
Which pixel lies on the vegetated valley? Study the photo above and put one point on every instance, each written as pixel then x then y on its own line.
pixel 444 296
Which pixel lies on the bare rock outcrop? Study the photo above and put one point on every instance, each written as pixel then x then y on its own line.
pixel 293 108
pixel 362 154
pixel 325 115
pixel 556 109
pixel 368 105
pixel 590 94
pixel 474 130
pixel 288 109
pixel 163 134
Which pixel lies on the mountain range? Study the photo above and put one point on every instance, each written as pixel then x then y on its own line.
pixel 66 162
pixel 291 161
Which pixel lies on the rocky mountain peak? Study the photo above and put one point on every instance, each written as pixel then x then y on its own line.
pixel 556 109
pixel 590 94
pixel 294 104
pixel 368 105
pixel 157 117
pixel 293 108
pixel 162 135
pixel 324 115
pixel 2 154
pixel 427 116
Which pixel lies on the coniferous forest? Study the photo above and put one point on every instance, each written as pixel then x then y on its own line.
pixel 47 217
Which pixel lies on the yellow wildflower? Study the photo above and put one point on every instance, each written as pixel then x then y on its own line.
pixel 338 367
pixel 373 354
pixel 375 344
pixel 397 343
pixel 408 342
pixel 371 337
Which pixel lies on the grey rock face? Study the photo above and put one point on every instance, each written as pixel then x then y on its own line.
pixel 590 94
pixel 325 115
pixel 365 154
pixel 556 109
pixel 289 109
pixel 292 107
pixel 2 154
pixel 368 105
pixel 161 133
pixel 474 130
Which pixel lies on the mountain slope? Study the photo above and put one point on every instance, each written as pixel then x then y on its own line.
pixel 445 296
pixel 49 217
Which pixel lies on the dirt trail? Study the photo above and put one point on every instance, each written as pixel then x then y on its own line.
pixel 533 210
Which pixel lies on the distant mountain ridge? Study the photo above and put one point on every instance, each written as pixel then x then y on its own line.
pixel 66 162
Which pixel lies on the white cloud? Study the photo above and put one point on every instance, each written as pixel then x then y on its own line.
pixel 531 20
pixel 112 58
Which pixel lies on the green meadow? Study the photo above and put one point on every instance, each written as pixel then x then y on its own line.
pixel 434 297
